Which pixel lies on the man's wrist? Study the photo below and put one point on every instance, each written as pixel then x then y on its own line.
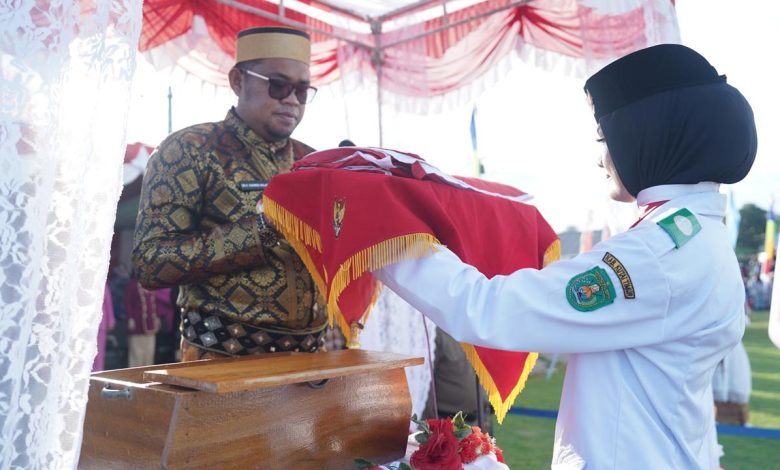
pixel 268 235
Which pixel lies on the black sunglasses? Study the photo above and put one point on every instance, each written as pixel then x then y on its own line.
pixel 280 89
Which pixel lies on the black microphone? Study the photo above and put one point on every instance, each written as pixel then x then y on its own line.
pixel 347 143
pixel 248 186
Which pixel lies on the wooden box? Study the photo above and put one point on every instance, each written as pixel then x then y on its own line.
pixel 266 412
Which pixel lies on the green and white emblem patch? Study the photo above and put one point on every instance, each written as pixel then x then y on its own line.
pixel 681 226
pixel 590 290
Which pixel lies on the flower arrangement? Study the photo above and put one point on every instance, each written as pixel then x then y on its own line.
pixel 445 444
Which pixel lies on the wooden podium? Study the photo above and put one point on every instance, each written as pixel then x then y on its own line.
pixel 283 410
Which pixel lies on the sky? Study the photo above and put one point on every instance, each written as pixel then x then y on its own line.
pixel 534 129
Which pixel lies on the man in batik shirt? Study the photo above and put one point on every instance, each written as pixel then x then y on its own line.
pixel 242 291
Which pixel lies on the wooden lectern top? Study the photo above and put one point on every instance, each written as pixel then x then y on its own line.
pixel 249 373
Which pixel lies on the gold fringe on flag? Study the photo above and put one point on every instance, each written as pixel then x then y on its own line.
pixel 285 220
pixel 298 234
pixel 501 406
pixel 552 253
pixel 375 257
pixel 301 235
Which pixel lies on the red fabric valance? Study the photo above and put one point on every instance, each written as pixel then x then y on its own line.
pixel 441 60
pixel 168 19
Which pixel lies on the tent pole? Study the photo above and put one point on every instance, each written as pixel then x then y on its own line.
pixel 170 110
pixel 448 25
pixel 406 9
pixel 379 102
pixel 377 57
pixel 344 11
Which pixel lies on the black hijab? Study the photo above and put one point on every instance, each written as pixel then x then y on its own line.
pixel 669 118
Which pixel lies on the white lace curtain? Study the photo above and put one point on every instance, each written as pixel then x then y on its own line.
pixel 65 73
pixel 395 326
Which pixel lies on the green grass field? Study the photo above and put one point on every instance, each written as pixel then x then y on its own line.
pixel 527 441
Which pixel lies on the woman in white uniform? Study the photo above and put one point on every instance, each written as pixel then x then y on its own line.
pixel 647 314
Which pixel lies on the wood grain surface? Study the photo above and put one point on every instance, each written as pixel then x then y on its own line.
pixel 231 375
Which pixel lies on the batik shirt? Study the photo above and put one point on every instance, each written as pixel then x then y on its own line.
pixel 198 230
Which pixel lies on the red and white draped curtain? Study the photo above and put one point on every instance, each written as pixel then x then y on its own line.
pixel 422 54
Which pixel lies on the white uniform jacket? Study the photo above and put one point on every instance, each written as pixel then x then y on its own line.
pixel 637 392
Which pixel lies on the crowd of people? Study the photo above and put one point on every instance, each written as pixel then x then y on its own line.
pixel 139 326
pixel 759 290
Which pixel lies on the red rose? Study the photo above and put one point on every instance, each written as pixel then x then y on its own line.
pixel 486 443
pixel 440 451
pixel 436 425
pixel 470 448
pixel 499 454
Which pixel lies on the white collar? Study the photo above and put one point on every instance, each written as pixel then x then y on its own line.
pixel 667 192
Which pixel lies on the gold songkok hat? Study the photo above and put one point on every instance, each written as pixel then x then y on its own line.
pixel 273 42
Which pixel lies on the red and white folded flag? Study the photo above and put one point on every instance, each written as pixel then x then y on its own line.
pixel 352 210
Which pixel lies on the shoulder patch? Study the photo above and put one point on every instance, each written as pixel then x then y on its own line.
pixel 682 226
pixel 621 273
pixel 590 290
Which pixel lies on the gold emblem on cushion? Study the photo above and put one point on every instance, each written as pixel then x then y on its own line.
pixel 339 206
